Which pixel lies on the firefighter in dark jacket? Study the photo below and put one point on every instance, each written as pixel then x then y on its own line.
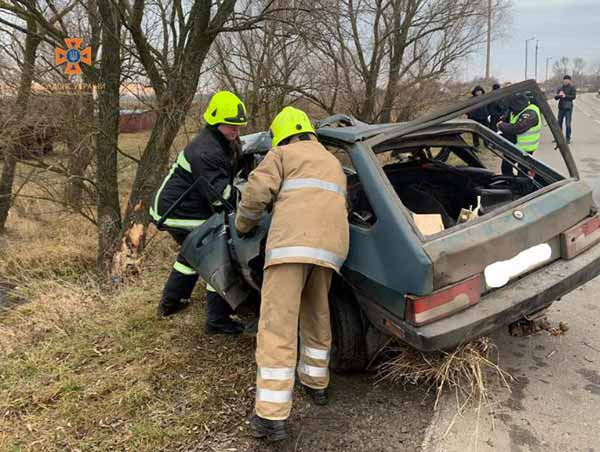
pixel 565 95
pixel 481 114
pixel 521 125
pixel 213 154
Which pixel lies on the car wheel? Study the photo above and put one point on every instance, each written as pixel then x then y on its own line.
pixel 349 350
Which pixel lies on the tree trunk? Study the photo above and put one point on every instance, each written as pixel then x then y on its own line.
pixel 368 108
pixel 175 98
pixel 176 103
pixel 6 184
pixel 32 41
pixel 81 150
pixel 108 207
pixel 398 46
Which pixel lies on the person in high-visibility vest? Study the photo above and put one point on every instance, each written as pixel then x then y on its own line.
pixel 522 125
pixel 213 154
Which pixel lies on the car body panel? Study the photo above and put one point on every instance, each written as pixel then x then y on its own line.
pixel 382 251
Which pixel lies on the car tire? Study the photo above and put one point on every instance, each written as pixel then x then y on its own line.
pixel 349 349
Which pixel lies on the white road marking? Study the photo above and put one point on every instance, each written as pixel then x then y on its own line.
pixel 432 433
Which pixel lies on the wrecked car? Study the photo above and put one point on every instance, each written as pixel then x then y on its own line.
pixel 443 247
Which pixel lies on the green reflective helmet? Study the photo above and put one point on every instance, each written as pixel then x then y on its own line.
pixel 288 122
pixel 225 108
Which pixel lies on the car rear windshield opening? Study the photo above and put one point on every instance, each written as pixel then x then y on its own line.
pixel 452 178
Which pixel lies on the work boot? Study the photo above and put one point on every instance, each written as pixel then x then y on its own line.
pixel 218 320
pixel 167 306
pixel 268 429
pixel 319 396
pixel 175 297
pixel 223 326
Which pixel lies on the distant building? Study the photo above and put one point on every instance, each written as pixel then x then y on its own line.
pixel 131 121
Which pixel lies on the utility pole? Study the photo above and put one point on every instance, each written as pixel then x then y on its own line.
pixel 536 58
pixel 489 40
pixel 527 54
pixel 526 42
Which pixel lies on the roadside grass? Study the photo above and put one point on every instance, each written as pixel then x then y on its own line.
pixel 85 367
pixel 89 370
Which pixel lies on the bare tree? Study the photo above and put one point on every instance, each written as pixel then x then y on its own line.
pixel 32 41
pixel 80 142
pixel 109 208
pixel 349 55
pixel 265 65
pixel 169 53
pixel 561 68
pixel 578 68
pixel 377 47
pixel 173 61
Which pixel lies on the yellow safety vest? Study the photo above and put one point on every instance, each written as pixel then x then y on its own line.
pixel 529 140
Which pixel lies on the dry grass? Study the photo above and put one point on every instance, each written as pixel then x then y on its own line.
pixel 86 369
pixel 83 369
pixel 470 372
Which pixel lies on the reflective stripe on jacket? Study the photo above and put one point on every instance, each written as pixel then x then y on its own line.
pixel 209 155
pixel 529 140
pixel 307 187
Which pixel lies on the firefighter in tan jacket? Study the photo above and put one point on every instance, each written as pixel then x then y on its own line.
pixel 307 242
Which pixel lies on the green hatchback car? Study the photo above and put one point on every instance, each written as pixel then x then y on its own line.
pixel 443 247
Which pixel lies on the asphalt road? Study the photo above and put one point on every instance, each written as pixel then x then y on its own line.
pixel 555 402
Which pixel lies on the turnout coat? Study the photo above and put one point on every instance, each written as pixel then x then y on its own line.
pixel 306 185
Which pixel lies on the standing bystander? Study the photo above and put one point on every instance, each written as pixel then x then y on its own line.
pixel 565 95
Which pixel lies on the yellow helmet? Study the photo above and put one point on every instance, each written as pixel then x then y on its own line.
pixel 225 108
pixel 288 122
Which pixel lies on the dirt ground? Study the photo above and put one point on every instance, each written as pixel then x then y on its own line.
pixel 360 417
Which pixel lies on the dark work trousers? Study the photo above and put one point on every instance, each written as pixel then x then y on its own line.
pixel 565 115
pixel 182 280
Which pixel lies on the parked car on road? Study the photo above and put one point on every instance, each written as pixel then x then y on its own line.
pixel 534 236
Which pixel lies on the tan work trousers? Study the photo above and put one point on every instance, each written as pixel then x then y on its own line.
pixel 291 292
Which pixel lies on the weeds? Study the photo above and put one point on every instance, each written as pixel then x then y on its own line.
pixel 470 372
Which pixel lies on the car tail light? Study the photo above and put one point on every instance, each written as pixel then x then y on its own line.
pixel 443 302
pixel 580 237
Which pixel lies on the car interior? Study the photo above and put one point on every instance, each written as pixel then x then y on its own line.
pixel 444 175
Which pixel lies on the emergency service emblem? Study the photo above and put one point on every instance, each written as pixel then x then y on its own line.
pixel 73 56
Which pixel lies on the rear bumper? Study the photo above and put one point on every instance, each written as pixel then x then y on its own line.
pixel 528 295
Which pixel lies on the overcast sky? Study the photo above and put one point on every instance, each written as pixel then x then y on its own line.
pixel 563 27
